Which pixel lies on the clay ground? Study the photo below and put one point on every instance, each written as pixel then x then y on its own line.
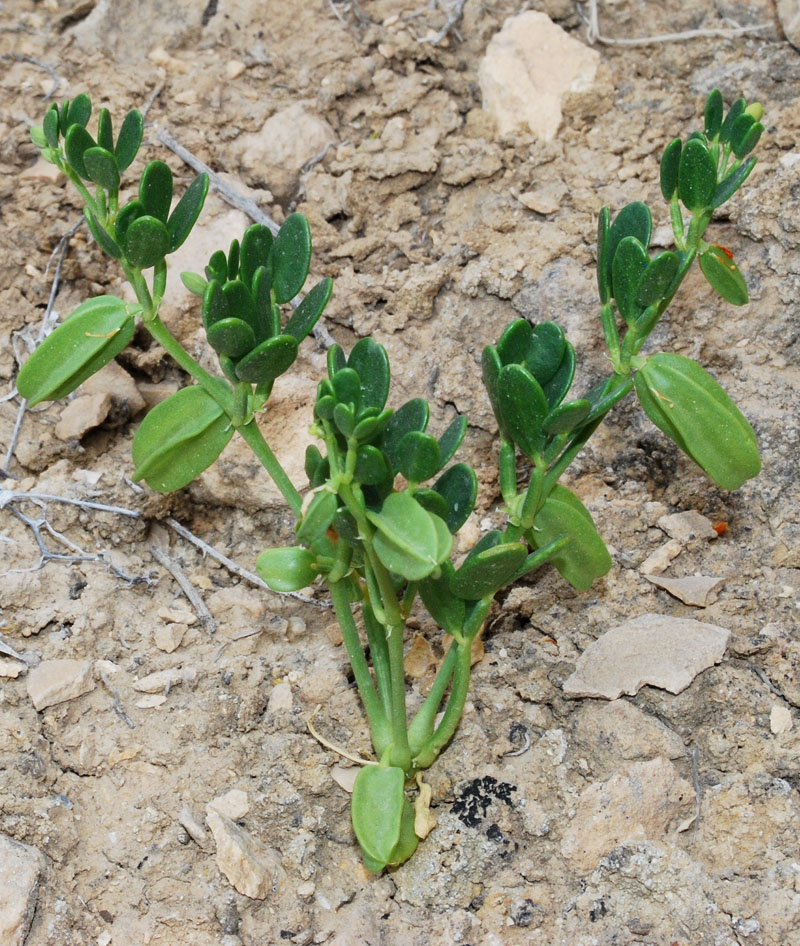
pixel 415 212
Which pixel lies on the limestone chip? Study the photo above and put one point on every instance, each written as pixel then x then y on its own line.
pixel 56 681
pixel 21 869
pixel 251 868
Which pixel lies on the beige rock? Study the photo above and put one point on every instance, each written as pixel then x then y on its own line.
pixel 82 415
pixel 789 15
pixel 530 66
pixel 328 194
pixel 177 616
pixel 234 68
pixel 251 868
pixel 153 701
pixel 163 679
pixel 280 699
pixel 287 141
pixel 694 589
pixel 56 681
pixel 168 637
pixel 617 731
pixel 654 649
pixel 687 526
pixel 11 668
pixel 643 801
pixel 233 804
pixel 21 868
pixel 780 719
pixel 115 381
pixel 657 561
pixel 542 200
pixel 345 778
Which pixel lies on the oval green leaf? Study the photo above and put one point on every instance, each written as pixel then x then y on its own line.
pixel 269 360
pixel 406 539
pixel 318 516
pixel 231 337
pixel 371 467
pixel 515 342
pixel 105 130
pixel 129 139
pixel 486 572
pixel 287 569
pixel 307 314
pixel 102 168
pixel 603 266
pixel 656 279
pixel 255 252
pixel 420 456
pixel 382 817
pixel 104 241
pixel 155 190
pixel 628 270
pixel 724 275
pixel 728 186
pixel 446 608
pixel 146 242
pixel 77 142
pixel 458 486
pixel 670 162
pixel 633 220
pixel 291 258
pixel 713 113
pixel 186 212
pixel 371 363
pixel 50 126
pixel 546 354
pixel 697 176
pixel 524 408
pixel 567 417
pixel 452 438
pixel 413 415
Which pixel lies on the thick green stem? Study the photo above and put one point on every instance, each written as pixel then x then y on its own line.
pixel 269 461
pixel 376 635
pixel 452 714
pixel 378 723
pixel 421 727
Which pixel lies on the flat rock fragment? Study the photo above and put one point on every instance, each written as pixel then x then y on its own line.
pixel 780 719
pixel 641 802
pixel 694 589
pixel 82 415
pixel 21 868
pixel 530 66
pixel 56 681
pixel 250 867
pixel 658 560
pixel 687 526
pixel 234 804
pixel 654 649
pixel 165 679
pixel 789 15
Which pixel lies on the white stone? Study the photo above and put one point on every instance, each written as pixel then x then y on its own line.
pixel 21 868
pixel 151 702
pixel 643 801
pixel 11 668
pixel 56 681
pixel 345 778
pixel 233 804
pixel 694 589
pixel 687 526
pixel 789 15
pixel 780 719
pixel 528 69
pixel 82 415
pixel 658 560
pixel 251 868
pixel 654 649
pixel 161 679
pixel 280 698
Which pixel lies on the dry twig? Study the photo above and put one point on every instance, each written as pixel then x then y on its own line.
pixel 43 66
pixel 193 597
pixel 454 13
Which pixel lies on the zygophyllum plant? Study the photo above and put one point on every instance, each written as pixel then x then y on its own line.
pixel 383 500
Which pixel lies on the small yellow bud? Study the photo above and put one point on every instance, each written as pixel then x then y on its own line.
pixel 756 110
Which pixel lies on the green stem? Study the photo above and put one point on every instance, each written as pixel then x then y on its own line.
pixel 378 723
pixel 376 635
pixel 421 728
pixel 269 461
pixel 455 708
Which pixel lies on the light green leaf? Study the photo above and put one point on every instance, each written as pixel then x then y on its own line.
pixel 406 540
pixel 287 569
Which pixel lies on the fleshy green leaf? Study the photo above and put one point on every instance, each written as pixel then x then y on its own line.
pixel 287 569
pixel 383 819
pixel 557 388
pixel 179 438
pixel 546 353
pixel 233 260
pixel 458 486
pixel 215 305
pixel 724 275
pixel 369 427
pixel 336 360
pixel 105 130
pixel 269 360
pixel 684 401
pixel 95 333
pixel 194 283
pixel 371 363
pixel 345 419
pixel 745 144
pixel 633 220
pixel 515 342
pixel 697 176
pixel 628 270
pixel 413 415
pixel 50 125
pixel 713 114
pixel 451 439
pixel 371 466
pixel 739 132
pixel 603 264
pixel 146 242
pixel 567 417
pixel 240 302
pixel 432 501
pixel 130 212
pixel 77 142
pixel 347 387
pixel 657 279
pixel 420 456
pixel 491 367
pixel 736 110
pixel 104 241
pixel 291 258
pixel 670 162
pixel 80 110
pixel 406 539
pixel 448 610
pixel 728 186
pixel 155 190
pixel 310 309
pixel 231 337
pixel 487 571
pixel 129 139
pixel 255 252
pixel 524 408
pixel 217 266
pixel 101 168
pixel 313 462
pixel 318 516
pixel 186 212
pixel 585 557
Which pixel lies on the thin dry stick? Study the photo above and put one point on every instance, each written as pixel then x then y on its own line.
pixel 118 708
pixel 58 253
pixel 329 745
pixel 240 202
pixel 455 12
pixel 593 34
pixel 41 65
pixel 200 607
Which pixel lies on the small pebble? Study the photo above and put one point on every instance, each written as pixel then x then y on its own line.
pixel 780 720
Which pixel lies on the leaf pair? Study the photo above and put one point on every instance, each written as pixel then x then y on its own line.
pixel 409 540
pixel 691 408
pixel 101 161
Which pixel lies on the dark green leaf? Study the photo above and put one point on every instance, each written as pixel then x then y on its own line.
pixel 548 347
pixel 628 270
pixel 325 407
pixel 80 110
pixel 585 557
pixel 179 438
pixel 255 253
pixel 492 367
pixel 444 607
pixel 233 261
pixel 310 309
pixel 146 242
pixel 269 326
pixel 524 408
pixel 269 360
pixel 105 130
pixel 603 265
pixel 129 139
pixel 95 333
pixel 313 462
pixel 240 303
pixel 336 360
pixel 451 439
pixel 215 305
pixel 371 363
pixel 724 275
pixel 713 114
pixel 413 415
pixel 318 516
pixel 218 267
pixel 420 456
pixel 345 420
pixel 432 501
pixel 633 220
pixel 104 241
pixel 736 110
pixel 684 401
pixel 77 142
pixel 186 212
pixel 287 569
pixel 231 337
pixel 556 389
pixel 670 163
pixel 739 131
pixel 50 125
pixel 347 387
pixel 369 427
pixel 697 176
pixel 155 190
pixel 567 417
pixel 101 168
pixel 749 140
pixel 486 572
pixel 458 486
pixel 291 258
pixel 515 342
pixel 657 279
pixel 728 186
pixel 130 212
pixel 371 466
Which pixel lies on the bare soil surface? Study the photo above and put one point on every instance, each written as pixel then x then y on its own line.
pixel 415 211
